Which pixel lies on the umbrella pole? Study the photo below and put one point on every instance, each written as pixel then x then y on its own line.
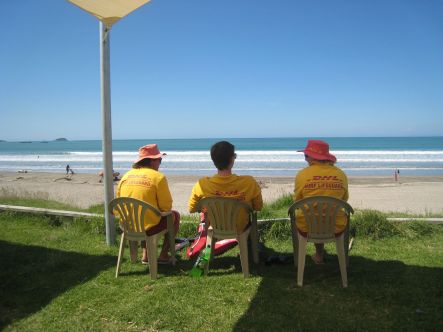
pixel 107 130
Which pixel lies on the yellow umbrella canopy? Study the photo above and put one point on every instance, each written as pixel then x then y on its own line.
pixel 109 11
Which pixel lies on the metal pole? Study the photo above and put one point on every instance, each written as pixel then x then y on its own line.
pixel 107 130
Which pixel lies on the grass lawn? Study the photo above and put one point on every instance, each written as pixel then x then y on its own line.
pixel 59 276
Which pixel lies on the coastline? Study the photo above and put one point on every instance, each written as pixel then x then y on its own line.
pixel 411 194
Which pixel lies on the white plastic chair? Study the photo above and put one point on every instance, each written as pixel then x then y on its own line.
pixel 132 213
pixel 222 215
pixel 320 213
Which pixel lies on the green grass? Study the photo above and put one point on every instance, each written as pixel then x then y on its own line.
pixel 34 201
pixel 59 275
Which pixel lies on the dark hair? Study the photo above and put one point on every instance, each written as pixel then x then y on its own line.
pixel 144 163
pixel 327 162
pixel 221 154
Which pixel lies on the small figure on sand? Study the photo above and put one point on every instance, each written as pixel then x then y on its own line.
pixel 397 175
pixel 114 175
pixel 69 170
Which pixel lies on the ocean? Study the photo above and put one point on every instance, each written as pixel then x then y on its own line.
pixel 357 156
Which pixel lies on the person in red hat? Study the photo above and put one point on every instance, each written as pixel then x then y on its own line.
pixel 146 183
pixel 320 178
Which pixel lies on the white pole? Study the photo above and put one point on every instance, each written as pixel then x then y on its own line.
pixel 107 130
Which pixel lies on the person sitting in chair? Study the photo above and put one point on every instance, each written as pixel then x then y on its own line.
pixel 320 178
pixel 227 184
pixel 146 183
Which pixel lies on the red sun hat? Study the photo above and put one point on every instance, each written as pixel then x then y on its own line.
pixel 318 150
pixel 150 151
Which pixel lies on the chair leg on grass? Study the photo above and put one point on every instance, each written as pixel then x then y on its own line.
pixel 339 243
pixel 302 241
pixel 346 243
pixel 243 244
pixel 171 238
pixel 211 241
pixel 254 243
pixel 294 233
pixel 120 254
pixel 152 256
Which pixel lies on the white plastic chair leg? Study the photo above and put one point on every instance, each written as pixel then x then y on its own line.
pixel 152 256
pixel 302 241
pixel 210 240
pixel 171 238
pixel 339 243
pixel 254 242
pixel 243 244
pixel 120 254
pixel 346 243
pixel 294 234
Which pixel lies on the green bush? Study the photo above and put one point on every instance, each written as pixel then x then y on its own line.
pixel 277 231
pixel 421 228
pixel 188 229
pixel 276 209
pixel 373 224
pixel 416 229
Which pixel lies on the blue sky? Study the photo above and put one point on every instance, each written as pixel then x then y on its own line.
pixel 233 68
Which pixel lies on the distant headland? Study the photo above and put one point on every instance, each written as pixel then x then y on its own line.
pixel 61 139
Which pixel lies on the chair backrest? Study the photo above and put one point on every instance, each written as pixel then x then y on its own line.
pixel 132 213
pixel 320 213
pixel 222 213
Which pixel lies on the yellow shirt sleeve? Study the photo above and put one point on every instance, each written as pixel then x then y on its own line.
pixel 257 201
pixel 345 186
pixel 196 195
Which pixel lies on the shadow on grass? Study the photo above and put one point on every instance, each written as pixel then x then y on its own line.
pixel 219 266
pixel 382 295
pixel 32 276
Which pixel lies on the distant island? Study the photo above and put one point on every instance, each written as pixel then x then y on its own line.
pixel 61 139
pixel 2 141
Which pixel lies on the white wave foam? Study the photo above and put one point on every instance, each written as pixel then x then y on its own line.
pixel 275 152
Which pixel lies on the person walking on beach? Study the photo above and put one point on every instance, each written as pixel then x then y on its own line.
pixel 320 178
pixel 69 170
pixel 397 175
pixel 227 184
pixel 146 183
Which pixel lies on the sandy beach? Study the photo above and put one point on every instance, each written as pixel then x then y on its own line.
pixel 418 195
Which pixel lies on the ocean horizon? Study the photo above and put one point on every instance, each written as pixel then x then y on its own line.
pixel 357 156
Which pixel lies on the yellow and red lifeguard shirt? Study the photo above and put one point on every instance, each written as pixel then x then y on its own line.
pixel 147 185
pixel 321 179
pixel 243 188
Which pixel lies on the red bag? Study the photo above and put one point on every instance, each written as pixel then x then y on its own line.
pixel 200 243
